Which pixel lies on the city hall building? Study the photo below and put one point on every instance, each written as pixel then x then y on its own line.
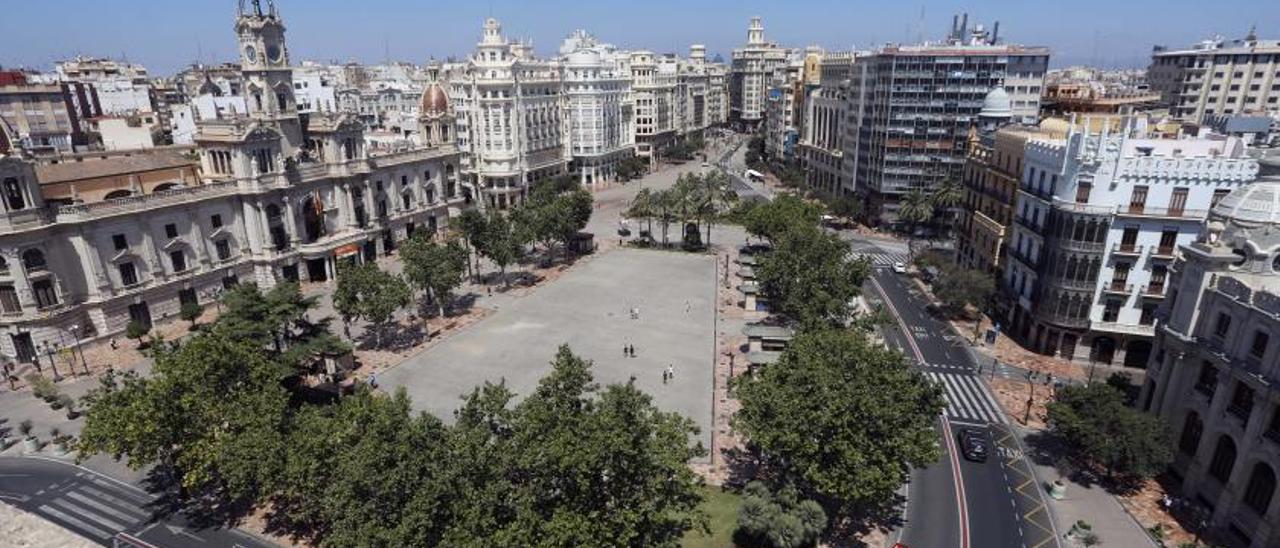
pixel 98 240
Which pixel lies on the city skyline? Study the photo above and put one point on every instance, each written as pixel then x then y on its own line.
pixel 167 40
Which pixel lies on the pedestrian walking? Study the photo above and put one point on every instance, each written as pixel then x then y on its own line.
pixel 633 351
pixel 373 381
pixel 671 372
pixel 626 350
pixel 664 376
pixel 113 343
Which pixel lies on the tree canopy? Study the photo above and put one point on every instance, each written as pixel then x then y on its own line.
pixel 810 277
pixel 1126 443
pixel 433 267
pixel 771 219
pixel 842 417
pixel 366 292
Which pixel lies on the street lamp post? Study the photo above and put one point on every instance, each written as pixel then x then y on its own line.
pixel 75 332
pixel 48 350
pixel 1026 417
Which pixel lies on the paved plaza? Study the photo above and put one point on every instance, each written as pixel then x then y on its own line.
pixel 589 309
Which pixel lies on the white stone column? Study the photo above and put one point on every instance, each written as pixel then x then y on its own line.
pixel 291 221
pixel 151 253
pixel 95 279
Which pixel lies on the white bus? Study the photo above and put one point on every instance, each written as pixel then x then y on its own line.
pixel 753 175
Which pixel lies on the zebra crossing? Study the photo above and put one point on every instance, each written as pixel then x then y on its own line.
pixel 967 398
pixel 94 508
pixel 884 259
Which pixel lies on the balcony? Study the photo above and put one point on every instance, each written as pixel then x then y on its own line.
pixel 1163 252
pixel 1081 246
pixel 1133 210
pixel 1132 250
pixel 1118 287
pixel 1026 222
pixel 1153 291
pixel 1068 283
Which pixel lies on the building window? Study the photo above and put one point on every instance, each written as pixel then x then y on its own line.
pixel 1262 485
pixel 1111 311
pixel 223 249
pixel 171 231
pixel 1259 346
pixel 128 274
pixel 13 198
pixel 1148 314
pixel 1222 325
pixel 1207 381
pixel 120 242
pixel 1082 192
pixel 1192 428
pixel 1138 200
pixel 9 303
pixel 179 260
pixel 1178 202
pixel 216 221
pixel 1241 401
pixel 1224 459
pixel 33 260
pixel 46 295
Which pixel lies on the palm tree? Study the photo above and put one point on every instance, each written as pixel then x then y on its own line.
pixel 718 195
pixel 946 197
pixel 642 207
pixel 916 208
pixel 665 205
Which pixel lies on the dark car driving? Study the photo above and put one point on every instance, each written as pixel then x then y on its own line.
pixel 973 445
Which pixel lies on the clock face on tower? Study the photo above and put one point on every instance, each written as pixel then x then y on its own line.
pixel 274 53
pixel 251 54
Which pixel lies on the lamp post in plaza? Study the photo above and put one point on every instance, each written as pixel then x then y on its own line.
pixel 48 351
pixel 75 332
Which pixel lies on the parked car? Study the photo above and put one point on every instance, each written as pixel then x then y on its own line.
pixel 973 445
pixel 900 268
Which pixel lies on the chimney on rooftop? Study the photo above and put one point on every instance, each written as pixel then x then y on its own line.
pixel 964 26
pixel 995 33
pixel 955 26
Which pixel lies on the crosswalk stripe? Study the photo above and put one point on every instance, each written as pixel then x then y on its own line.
pixel 101 507
pixel 970 408
pixel 74 522
pixel 991 400
pixel 132 507
pixel 979 398
pixel 967 397
pixel 136 498
pixel 89 514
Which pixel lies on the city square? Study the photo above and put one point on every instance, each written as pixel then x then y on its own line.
pixel 589 309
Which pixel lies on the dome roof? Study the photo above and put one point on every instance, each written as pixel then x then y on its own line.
pixel 996 104
pixel 1256 204
pixel 434 100
pixel 584 57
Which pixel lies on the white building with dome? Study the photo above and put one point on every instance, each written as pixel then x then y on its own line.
pixel 510 119
pixel 1216 365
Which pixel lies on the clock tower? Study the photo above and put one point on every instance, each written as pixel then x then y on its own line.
pixel 268 80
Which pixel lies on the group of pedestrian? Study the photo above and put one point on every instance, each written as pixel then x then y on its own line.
pixel 628 350
pixel 668 374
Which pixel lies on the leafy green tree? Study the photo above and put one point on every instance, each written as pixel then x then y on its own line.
pixel 471 225
pixel 434 268
pixel 367 471
pixel 1127 444
pixel 190 311
pixel 842 417
pixel 958 287
pixel 278 320
pixel 136 331
pixel 780 519
pixel 776 217
pixel 582 450
pixel 503 241
pixel 810 277
pixel 948 196
pixel 211 414
pixel 631 168
pixel 366 292
pixel 666 207
pixel 847 207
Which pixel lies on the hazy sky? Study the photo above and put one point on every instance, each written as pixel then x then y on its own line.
pixel 170 34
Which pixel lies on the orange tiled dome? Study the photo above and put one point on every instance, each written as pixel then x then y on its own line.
pixel 434 101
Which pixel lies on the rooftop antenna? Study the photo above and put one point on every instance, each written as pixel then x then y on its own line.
pixel 920 26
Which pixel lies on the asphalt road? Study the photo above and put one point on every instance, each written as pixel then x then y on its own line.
pixel 1002 504
pixel 102 509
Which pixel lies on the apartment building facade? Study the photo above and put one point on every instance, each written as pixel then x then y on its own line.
pixel 911 108
pixel 751 75
pixel 1098 220
pixel 821 149
pixel 1218 77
